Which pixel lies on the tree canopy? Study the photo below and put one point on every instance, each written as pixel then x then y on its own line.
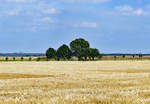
pixel 63 52
pixel 51 53
pixel 93 53
pixel 79 48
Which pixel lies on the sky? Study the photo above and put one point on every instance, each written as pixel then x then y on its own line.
pixel 112 26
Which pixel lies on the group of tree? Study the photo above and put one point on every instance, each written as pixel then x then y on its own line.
pixel 79 48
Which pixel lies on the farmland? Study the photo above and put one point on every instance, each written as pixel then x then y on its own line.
pixel 97 82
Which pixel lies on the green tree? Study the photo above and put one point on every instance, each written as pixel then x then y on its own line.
pixel 78 46
pixel 123 56
pixel 94 53
pixel 133 56
pixel 100 56
pixel 38 59
pixel 85 52
pixel 6 58
pixel 115 57
pixel 30 58
pixel 64 52
pixel 140 56
pixel 51 53
pixel 14 58
pixel 22 58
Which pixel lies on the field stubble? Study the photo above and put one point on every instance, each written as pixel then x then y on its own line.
pixel 97 82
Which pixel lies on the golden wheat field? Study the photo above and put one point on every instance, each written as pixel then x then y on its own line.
pixel 97 82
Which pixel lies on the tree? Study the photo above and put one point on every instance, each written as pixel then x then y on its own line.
pixel 6 58
pixel 22 58
pixel 100 56
pixel 14 58
pixel 123 56
pixel 115 57
pixel 140 56
pixel 85 52
pixel 133 56
pixel 78 46
pixel 51 53
pixel 30 58
pixel 63 52
pixel 94 53
pixel 38 59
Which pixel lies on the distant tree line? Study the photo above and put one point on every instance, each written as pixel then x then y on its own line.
pixel 62 54
pixel 79 48
pixel 22 54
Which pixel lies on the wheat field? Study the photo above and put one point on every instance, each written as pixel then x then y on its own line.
pixel 97 82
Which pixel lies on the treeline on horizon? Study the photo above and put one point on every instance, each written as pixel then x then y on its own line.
pixel 21 54
pixel 43 54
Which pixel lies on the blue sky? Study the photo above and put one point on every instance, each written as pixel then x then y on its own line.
pixel 112 26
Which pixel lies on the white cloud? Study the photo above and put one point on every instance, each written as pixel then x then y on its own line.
pixel 92 1
pixel 23 8
pixel 42 23
pixel 16 1
pixel 139 12
pixel 124 8
pixel 130 11
pixel 11 12
pixel 14 12
pixel 21 1
pixel 47 20
pixel 50 11
pixel 87 24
